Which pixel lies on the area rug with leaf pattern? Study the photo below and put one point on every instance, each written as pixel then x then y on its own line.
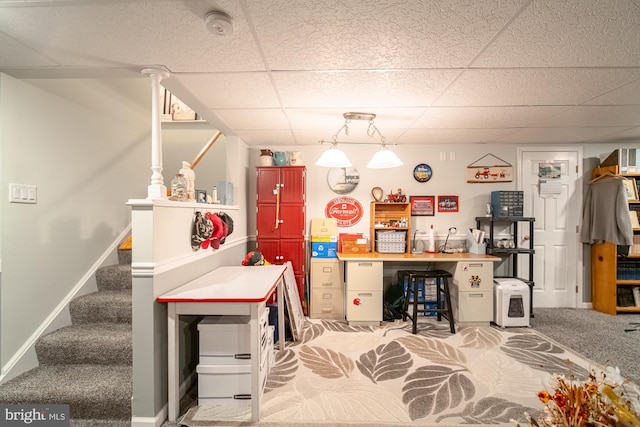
pixel 338 374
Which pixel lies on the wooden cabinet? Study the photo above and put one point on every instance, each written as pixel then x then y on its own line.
pixel 390 217
pixel 609 271
pixel 327 292
pixel 493 248
pixel 280 219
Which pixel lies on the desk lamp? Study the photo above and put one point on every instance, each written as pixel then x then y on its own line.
pixel 452 230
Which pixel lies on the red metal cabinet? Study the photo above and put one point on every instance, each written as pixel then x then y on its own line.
pixel 280 219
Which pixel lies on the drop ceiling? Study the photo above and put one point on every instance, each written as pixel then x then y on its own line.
pixel 434 72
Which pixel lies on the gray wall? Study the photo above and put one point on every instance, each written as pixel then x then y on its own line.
pixel 85 145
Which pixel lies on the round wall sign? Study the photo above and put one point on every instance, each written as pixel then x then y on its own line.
pixel 422 172
pixel 343 180
pixel 346 210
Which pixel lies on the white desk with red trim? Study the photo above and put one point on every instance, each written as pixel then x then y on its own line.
pixel 235 291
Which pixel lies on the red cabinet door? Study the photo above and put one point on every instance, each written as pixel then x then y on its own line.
pixel 268 180
pixel 290 223
pixel 292 184
pixel 289 180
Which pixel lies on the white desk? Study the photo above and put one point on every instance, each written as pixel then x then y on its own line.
pixel 364 287
pixel 238 291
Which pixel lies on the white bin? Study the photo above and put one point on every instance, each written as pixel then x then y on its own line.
pixel 511 306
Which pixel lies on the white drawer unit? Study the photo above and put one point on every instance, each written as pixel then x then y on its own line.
pixel 228 384
pixel 327 293
pixel 364 293
pixel 226 340
pixel 472 292
pixel 364 308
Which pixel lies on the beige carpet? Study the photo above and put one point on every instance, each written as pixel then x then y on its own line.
pixel 339 375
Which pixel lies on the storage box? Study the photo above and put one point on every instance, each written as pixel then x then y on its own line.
pixel 226 340
pixel 391 236
pixel 324 230
pixel 352 243
pixel 324 249
pixel 507 203
pixel 391 247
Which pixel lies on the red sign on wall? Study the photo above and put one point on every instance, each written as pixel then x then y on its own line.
pixel 346 210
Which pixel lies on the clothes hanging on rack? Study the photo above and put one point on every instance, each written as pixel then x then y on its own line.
pixel 605 215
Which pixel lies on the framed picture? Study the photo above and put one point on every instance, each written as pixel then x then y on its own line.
pixel 447 203
pixel 201 196
pixel 632 190
pixel 422 205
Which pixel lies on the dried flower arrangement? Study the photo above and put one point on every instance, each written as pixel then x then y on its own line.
pixel 604 399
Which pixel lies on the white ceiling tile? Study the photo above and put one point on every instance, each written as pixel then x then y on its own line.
pixel 595 116
pixel 574 33
pixel 376 34
pixel 451 136
pixel 626 95
pixel 16 55
pixel 538 86
pixel 333 119
pixel 226 90
pixel 406 88
pixel 246 119
pixel 266 137
pixel 483 117
pixel 574 135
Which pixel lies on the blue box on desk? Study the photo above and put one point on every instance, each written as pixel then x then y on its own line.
pixel 324 249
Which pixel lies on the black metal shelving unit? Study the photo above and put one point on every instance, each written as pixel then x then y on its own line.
pixel 513 253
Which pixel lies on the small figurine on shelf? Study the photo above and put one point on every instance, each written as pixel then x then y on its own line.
pixel 396 198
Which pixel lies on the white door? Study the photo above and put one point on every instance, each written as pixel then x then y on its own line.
pixel 556 205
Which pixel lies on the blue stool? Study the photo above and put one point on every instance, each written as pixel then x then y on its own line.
pixel 413 294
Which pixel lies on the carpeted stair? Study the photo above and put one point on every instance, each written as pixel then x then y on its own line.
pixel 88 364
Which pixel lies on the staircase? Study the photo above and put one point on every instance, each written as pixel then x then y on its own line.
pixel 87 365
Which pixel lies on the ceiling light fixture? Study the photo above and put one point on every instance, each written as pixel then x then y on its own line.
pixel 219 23
pixel 335 158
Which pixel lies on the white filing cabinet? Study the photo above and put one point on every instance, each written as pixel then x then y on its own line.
pixel 472 292
pixel 327 292
pixel 364 292
pixel 224 368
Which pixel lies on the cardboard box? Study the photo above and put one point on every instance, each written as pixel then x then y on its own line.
pixel 353 238
pixel 323 229
pixel 324 249
pixel 354 245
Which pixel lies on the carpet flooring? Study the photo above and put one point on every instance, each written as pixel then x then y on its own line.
pixel 385 376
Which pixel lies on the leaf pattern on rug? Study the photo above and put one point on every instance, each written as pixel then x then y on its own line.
pixel 491 410
pixel 385 362
pixel 433 350
pixel 325 362
pixel 309 333
pixel 538 353
pixel 433 389
pixel 283 370
pixel 480 337
pixel 340 326
pixel 505 376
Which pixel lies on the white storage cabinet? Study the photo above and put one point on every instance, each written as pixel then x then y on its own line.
pixel 364 293
pixel 472 292
pixel 224 368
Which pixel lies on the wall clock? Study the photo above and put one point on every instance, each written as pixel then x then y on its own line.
pixel 422 172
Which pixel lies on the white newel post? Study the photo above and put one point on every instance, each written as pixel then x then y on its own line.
pixel 157 189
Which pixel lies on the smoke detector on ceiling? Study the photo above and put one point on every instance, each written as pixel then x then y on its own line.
pixel 219 23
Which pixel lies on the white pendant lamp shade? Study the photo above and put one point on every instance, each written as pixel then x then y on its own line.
pixel 384 158
pixel 334 158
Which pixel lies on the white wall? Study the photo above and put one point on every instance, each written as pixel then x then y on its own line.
pixel 85 144
pixel 448 178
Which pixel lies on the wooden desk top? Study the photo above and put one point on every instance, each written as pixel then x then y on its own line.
pixel 229 284
pixel 422 257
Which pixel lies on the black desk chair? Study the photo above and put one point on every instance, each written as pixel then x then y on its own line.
pixel 416 284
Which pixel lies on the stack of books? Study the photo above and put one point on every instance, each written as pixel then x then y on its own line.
pixel 628 296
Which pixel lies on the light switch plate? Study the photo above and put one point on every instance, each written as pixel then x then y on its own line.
pixel 20 193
